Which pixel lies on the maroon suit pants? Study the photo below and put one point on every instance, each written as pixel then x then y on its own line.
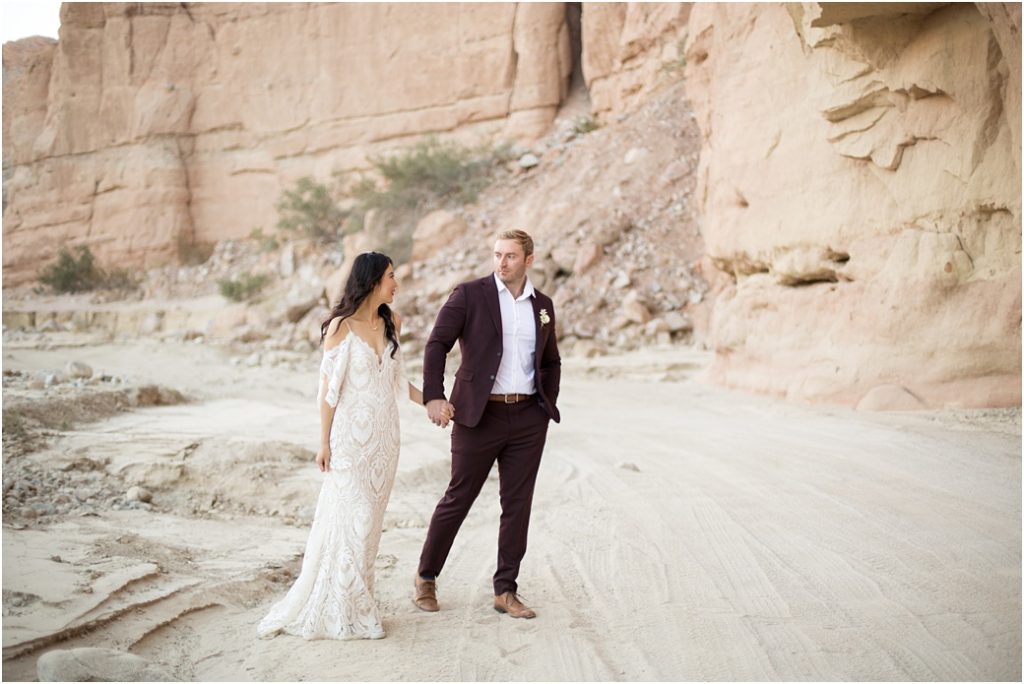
pixel 514 436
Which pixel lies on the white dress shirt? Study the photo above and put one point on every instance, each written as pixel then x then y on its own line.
pixel 519 341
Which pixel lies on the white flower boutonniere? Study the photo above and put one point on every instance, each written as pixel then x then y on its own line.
pixel 544 318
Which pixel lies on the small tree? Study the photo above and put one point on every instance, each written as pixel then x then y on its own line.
pixel 310 211
pixel 72 274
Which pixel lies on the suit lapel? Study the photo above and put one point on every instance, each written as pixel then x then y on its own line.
pixel 491 295
pixel 539 344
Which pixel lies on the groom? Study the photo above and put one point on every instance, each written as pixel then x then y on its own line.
pixel 504 396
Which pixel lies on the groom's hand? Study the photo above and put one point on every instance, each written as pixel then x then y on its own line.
pixel 440 412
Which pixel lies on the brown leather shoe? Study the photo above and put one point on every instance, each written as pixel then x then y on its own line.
pixel 510 603
pixel 426 595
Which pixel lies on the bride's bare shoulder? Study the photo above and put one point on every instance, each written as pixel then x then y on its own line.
pixel 336 333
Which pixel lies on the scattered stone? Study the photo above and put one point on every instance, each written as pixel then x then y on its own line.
pixel 77 369
pixel 626 465
pixel 287 264
pixel 634 154
pixel 528 161
pixel 678 322
pixel 588 255
pixel 622 281
pixel 656 326
pixel 97 665
pixel 137 493
pixel 634 310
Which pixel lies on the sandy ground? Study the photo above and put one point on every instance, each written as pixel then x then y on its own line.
pixel 680 532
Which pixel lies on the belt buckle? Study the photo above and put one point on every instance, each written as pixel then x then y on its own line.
pixel 510 395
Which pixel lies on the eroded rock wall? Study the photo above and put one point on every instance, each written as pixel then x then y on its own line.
pixel 860 185
pixel 154 124
pixel 629 49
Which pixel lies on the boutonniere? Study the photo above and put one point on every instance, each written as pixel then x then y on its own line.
pixel 544 318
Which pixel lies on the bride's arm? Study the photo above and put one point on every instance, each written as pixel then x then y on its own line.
pixel 415 394
pixel 323 455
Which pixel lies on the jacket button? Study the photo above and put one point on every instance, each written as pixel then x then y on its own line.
pixel 499 353
pixel 492 377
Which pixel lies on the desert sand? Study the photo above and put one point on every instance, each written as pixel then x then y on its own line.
pixel 680 532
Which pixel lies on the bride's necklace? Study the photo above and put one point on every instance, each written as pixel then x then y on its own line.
pixel 373 326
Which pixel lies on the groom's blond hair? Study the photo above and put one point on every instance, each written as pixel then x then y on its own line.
pixel 520 236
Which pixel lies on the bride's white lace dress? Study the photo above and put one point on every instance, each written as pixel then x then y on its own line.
pixel 332 598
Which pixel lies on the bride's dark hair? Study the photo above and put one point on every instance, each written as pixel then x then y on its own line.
pixel 367 272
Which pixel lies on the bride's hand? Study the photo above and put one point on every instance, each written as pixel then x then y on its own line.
pixel 323 458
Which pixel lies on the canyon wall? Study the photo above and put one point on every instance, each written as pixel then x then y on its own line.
pixel 860 187
pixel 150 126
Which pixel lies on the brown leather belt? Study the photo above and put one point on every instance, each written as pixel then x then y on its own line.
pixel 510 398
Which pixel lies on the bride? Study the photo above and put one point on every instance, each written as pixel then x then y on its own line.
pixel 361 377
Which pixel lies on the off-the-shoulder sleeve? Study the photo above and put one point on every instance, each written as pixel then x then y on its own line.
pixel 332 372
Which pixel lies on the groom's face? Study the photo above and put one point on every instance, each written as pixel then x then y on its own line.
pixel 510 263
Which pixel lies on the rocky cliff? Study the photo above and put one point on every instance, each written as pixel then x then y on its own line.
pixel 860 186
pixel 151 124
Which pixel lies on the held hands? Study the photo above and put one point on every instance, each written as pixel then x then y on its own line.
pixel 440 412
pixel 323 458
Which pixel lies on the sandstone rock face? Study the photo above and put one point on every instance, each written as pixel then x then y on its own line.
pixel 26 85
pixel 627 48
pixel 150 125
pixel 860 183
pixel 434 231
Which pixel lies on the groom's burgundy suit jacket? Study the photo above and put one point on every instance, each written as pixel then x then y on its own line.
pixel 472 316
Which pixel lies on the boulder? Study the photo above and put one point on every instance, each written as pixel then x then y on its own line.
pixel 77 369
pixel 434 231
pixel 98 665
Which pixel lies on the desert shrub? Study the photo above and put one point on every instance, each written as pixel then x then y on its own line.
pixel 193 253
pixel 311 211
pixel 582 125
pixel 411 182
pixel 267 243
pixel 120 279
pixel 72 273
pixel 79 273
pixel 13 425
pixel 427 173
pixel 242 287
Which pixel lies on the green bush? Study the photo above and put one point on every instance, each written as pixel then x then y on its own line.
pixel 71 273
pixel 80 273
pixel 311 211
pixel 582 125
pixel 13 425
pixel 268 243
pixel 428 174
pixel 243 287
pixel 411 182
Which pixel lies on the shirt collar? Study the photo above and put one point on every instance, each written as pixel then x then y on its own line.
pixel 528 290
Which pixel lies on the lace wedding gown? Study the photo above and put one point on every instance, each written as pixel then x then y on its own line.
pixel 332 598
